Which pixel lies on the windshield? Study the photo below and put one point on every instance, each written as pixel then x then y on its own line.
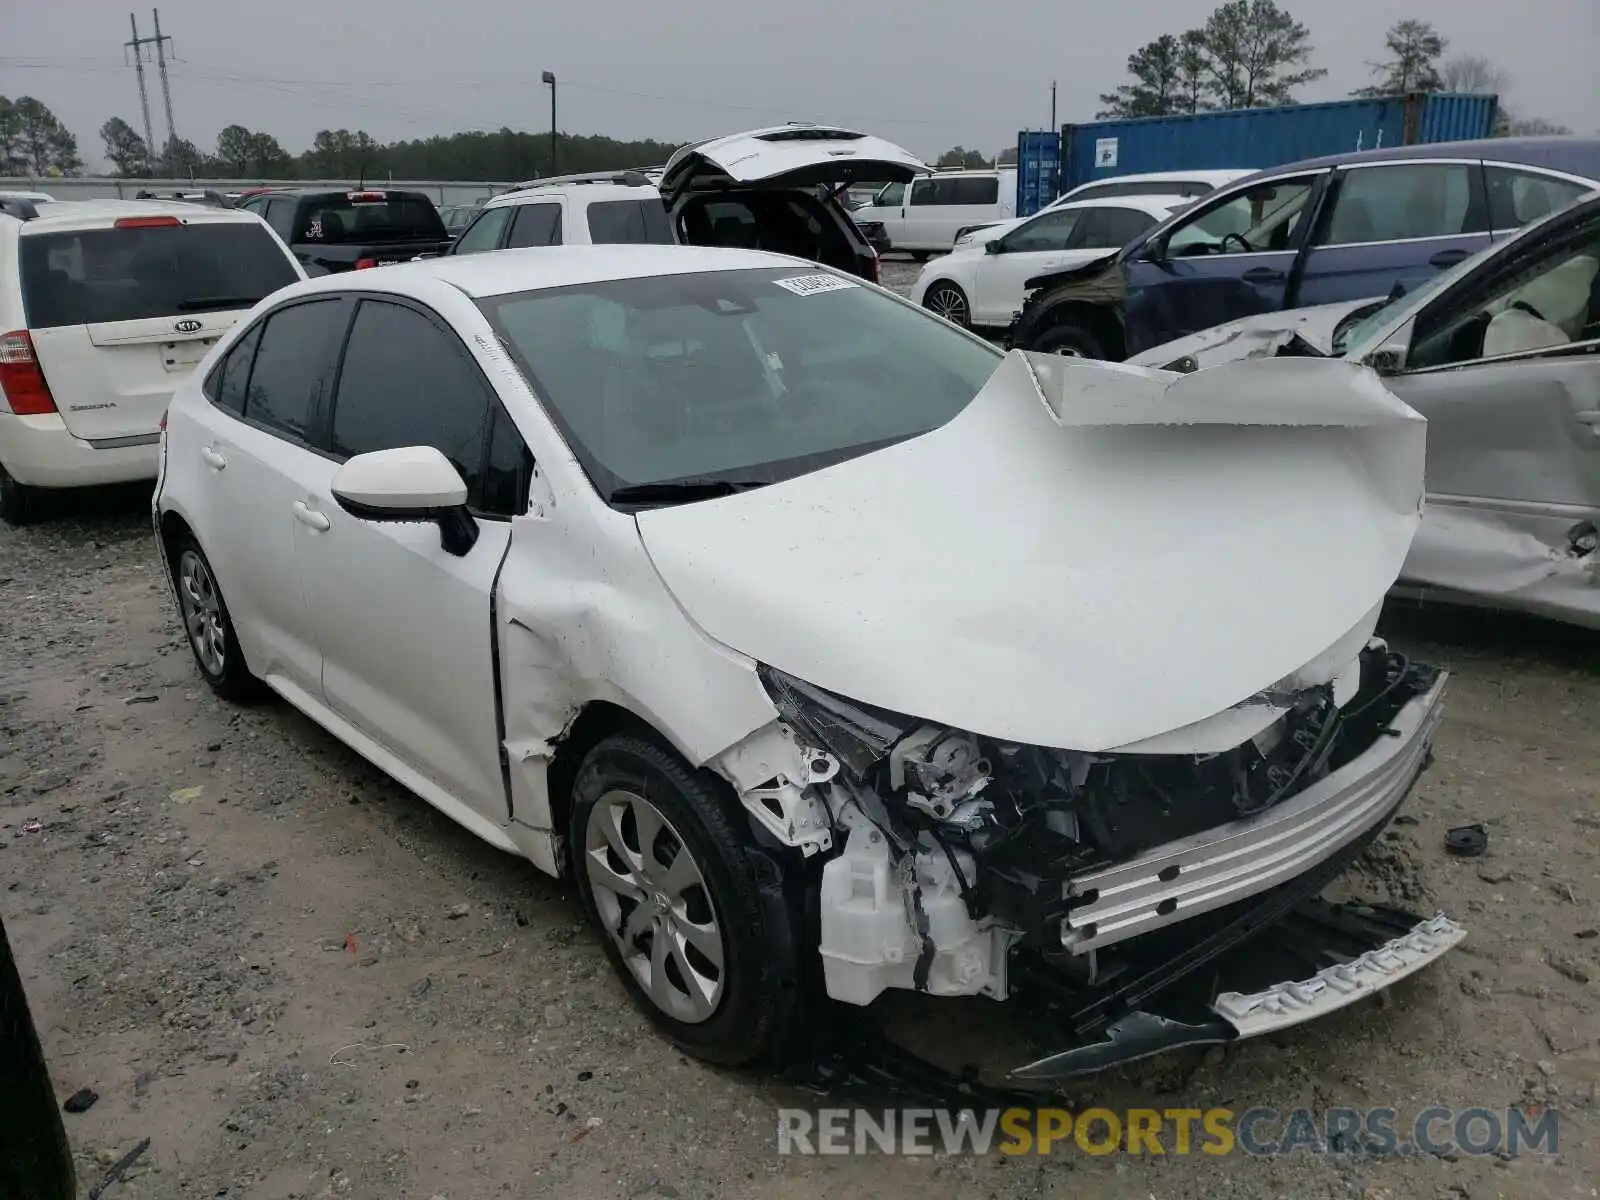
pixel 747 376
pixel 96 275
pixel 1353 340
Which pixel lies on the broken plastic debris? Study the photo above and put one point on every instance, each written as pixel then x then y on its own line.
pixel 81 1101
pixel 33 826
pixel 186 795
pixel 1467 841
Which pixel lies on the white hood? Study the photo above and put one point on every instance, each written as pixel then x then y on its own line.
pixel 1259 336
pixel 1086 556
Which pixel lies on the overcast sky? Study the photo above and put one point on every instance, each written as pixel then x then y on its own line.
pixel 928 74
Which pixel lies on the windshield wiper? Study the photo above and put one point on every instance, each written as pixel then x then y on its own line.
pixel 198 303
pixel 680 491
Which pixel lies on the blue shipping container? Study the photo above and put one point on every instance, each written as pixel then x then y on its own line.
pixel 1258 138
pixel 1038 168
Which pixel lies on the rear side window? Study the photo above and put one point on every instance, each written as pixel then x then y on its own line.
pixel 1113 228
pixel 535 225
pixel 405 382
pixel 227 383
pixel 629 222
pixel 95 276
pixel 1517 198
pixel 974 189
pixel 294 365
pixel 338 219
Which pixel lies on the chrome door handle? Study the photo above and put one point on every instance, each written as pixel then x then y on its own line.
pixel 307 515
pixel 215 459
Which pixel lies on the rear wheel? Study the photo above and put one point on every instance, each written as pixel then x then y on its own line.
pixel 949 302
pixel 683 902
pixel 208 626
pixel 1070 341
pixel 19 504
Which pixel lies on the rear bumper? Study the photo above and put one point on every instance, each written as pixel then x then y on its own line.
pixel 1233 862
pixel 39 451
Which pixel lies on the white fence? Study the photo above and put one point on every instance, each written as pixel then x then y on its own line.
pixel 85 187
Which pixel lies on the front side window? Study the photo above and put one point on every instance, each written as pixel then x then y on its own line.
pixel 1518 198
pixel 294 364
pixel 1048 231
pixel 893 195
pixel 1112 228
pixel 536 225
pixel 1541 300
pixel 929 191
pixel 406 382
pixel 629 223
pixel 745 376
pixel 1266 217
pixel 484 233
pixel 1392 203
pixel 101 275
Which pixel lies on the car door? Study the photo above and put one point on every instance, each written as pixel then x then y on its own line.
pixel 257 463
pixel 1030 249
pixel 405 626
pixel 1506 367
pixel 1230 256
pixel 1392 223
pixel 926 198
pixel 888 208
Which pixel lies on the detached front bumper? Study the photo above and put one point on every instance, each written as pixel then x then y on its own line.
pixel 1194 875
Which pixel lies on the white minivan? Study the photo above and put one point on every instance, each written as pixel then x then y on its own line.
pixel 105 308
pixel 926 215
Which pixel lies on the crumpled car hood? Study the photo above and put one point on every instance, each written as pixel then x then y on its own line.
pixel 1088 555
pixel 1259 336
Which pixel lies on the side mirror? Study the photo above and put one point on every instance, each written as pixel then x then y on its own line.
pixel 410 483
pixel 995 246
pixel 1153 251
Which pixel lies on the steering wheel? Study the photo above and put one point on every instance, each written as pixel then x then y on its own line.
pixel 1235 237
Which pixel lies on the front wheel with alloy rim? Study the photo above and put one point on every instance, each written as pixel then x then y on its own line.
pixel 1069 341
pixel 208 626
pixel 690 914
pixel 948 301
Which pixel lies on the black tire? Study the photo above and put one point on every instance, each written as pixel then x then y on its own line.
pixel 1069 339
pixel 756 1011
pixel 226 671
pixel 949 301
pixel 35 1160
pixel 19 504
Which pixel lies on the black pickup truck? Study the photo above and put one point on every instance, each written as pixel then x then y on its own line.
pixel 347 230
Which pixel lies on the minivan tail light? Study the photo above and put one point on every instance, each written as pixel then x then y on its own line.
pixel 20 377
pixel 144 222
pixel 363 264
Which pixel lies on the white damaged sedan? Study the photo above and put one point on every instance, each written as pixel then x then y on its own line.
pixel 829 649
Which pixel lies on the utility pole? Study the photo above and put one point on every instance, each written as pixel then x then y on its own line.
pixel 550 78
pixel 166 89
pixel 1053 124
pixel 137 46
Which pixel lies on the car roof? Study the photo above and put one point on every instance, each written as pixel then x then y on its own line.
pixel 1208 175
pixel 338 191
pixel 540 267
pixel 1155 204
pixel 89 214
pixel 594 189
pixel 1576 155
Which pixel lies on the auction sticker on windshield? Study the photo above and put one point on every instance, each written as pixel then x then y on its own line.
pixel 812 285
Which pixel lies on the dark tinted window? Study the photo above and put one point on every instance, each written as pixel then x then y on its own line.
pixel 505 478
pixel 1112 228
pixel 1519 197
pixel 227 382
pixel 484 233
pixel 927 191
pixel 629 222
pixel 1048 231
pixel 406 382
pixel 536 225
pixel 280 215
pixel 294 364
pixel 974 189
pixel 100 275
pixel 390 216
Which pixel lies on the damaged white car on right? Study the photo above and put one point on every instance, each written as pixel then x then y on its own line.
pixel 829 649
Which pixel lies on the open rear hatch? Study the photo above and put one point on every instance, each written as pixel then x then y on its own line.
pixel 121 312
pixel 788 156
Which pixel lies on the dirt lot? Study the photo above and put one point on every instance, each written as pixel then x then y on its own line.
pixel 299 981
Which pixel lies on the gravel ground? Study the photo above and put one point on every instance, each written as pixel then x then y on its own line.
pixel 298 980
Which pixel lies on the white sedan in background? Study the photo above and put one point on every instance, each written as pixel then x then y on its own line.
pixel 979 284
pixel 645 562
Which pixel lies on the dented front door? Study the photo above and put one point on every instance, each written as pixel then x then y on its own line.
pixel 1513 480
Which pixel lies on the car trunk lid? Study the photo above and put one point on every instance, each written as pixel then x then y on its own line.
pixel 788 156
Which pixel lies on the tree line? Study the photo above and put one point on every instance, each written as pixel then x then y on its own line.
pixel 1253 54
